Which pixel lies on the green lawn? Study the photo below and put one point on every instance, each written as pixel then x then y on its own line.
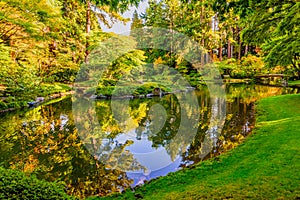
pixel 265 166
pixel 52 88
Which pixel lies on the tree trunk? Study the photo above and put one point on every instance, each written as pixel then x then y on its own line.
pixel 229 49
pixel 240 45
pixel 246 49
pixel 202 41
pixel 221 52
pixel 240 51
pixel 202 53
pixel 88 29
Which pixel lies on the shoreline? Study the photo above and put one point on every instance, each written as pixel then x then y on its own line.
pixel 40 100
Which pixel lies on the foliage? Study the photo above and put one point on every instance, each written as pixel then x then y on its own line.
pixel 124 65
pixel 232 27
pixel 123 70
pixel 248 67
pixel 215 29
pixel 46 42
pixel 29 45
pixel 16 185
pixel 274 25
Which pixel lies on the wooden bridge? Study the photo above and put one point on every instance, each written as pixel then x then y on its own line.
pixel 272 79
pixel 271 76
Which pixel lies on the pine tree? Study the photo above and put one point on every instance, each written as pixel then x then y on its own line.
pixel 136 21
pixel 274 25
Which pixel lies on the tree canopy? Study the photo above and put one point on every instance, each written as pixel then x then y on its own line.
pixel 274 25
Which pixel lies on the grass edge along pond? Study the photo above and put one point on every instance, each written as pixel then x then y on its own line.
pixel 266 166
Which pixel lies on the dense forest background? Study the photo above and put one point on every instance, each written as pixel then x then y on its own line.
pixel 44 42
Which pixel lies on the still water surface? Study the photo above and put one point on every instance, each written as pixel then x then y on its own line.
pixel 45 141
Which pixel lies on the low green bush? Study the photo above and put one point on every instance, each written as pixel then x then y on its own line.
pixel 146 88
pixel 16 185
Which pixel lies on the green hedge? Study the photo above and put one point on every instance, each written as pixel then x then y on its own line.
pixel 16 185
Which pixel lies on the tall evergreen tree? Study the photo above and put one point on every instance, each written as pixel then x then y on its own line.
pixel 274 25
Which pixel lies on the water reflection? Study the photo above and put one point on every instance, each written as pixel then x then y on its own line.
pixel 44 140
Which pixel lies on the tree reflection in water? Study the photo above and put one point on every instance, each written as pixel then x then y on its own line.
pixel 45 142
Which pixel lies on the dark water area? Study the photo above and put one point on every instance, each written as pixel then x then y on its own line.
pixel 118 151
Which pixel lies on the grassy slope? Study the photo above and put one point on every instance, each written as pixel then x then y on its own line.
pixel 266 166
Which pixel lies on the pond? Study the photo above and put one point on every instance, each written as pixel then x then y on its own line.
pixel 113 155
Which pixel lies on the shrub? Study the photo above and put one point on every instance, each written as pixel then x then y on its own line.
pixel 148 88
pixel 106 90
pixel 227 66
pixel 3 105
pixel 248 67
pixel 16 185
pixel 65 75
pixel 253 65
